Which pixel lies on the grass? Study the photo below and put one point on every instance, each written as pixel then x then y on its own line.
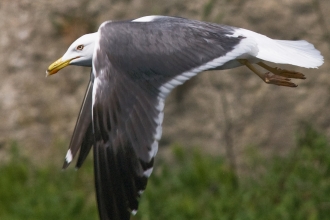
pixel 194 186
pixel 30 192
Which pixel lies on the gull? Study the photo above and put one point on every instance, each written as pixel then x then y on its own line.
pixel 135 64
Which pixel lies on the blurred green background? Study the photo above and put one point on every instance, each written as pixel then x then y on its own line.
pixel 232 146
pixel 192 186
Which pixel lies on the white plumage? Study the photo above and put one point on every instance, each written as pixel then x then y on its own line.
pixel 135 65
pixel 298 53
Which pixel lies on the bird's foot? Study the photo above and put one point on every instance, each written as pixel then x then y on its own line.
pixel 283 72
pixel 278 80
pixel 279 77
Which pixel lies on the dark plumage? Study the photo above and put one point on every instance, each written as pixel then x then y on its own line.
pixel 135 64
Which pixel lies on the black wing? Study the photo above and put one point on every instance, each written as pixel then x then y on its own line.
pixel 136 65
pixel 82 138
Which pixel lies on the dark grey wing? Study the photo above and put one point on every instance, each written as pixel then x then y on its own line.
pixel 127 122
pixel 83 137
pixel 136 65
pixel 86 145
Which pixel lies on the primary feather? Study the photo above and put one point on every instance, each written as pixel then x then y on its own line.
pixel 135 65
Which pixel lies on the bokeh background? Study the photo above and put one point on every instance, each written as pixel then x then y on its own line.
pixel 233 147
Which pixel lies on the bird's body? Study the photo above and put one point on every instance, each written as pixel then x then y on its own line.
pixel 135 64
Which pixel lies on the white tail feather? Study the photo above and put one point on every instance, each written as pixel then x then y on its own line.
pixel 298 53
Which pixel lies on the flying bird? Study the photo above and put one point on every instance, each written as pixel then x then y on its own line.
pixel 135 65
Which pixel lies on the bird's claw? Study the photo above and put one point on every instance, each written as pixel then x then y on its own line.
pixel 283 72
pixel 278 80
pixel 288 73
pixel 275 76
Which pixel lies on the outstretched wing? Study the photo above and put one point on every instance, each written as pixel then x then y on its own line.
pixel 136 64
pixel 82 138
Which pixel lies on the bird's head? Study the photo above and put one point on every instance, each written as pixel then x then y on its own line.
pixel 80 53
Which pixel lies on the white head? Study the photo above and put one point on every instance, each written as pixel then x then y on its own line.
pixel 80 53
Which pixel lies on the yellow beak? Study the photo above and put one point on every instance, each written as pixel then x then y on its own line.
pixel 57 65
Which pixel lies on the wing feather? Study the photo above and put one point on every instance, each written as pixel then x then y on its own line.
pixel 82 138
pixel 136 65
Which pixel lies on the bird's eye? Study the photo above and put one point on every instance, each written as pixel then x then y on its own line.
pixel 80 47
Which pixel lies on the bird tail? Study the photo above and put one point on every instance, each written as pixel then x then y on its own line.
pixel 298 53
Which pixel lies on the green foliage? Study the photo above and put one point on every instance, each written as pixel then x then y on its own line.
pixel 208 7
pixel 30 192
pixel 202 187
pixel 191 186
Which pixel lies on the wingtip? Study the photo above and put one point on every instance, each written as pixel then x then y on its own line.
pixel 65 165
pixel 134 212
pixel 68 159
